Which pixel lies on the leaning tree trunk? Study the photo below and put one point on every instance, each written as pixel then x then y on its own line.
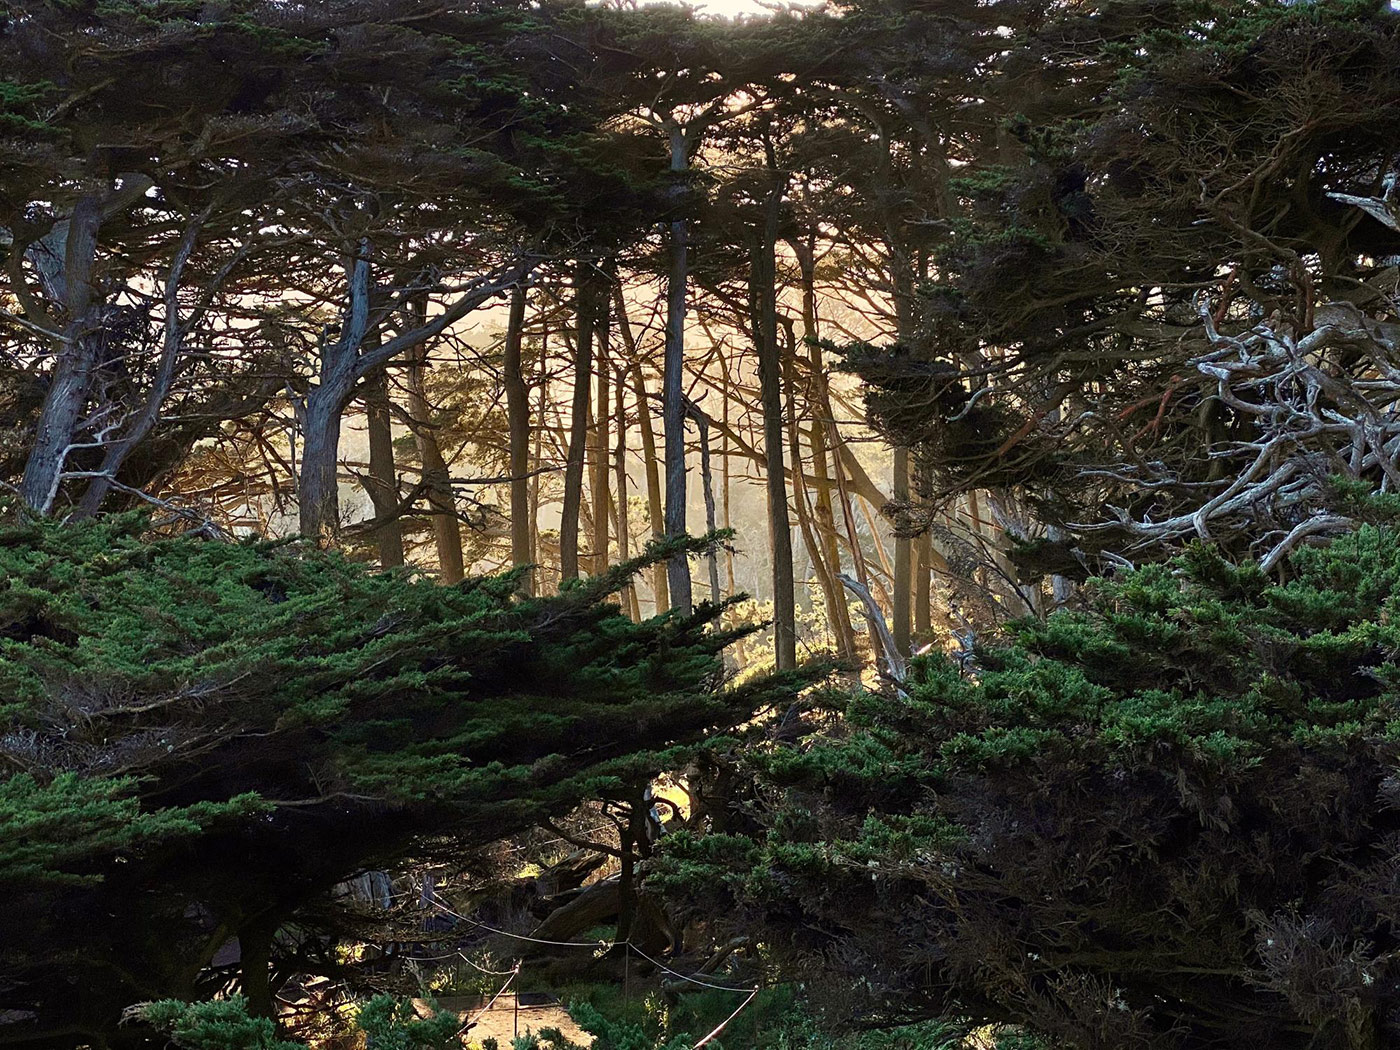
pixel 825 571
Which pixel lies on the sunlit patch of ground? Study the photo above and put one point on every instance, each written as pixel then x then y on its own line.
pixel 506 1018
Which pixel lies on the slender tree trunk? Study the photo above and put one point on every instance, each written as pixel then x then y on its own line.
pixel 660 576
pixel 763 295
pixel 586 314
pixel 673 378
pixel 518 417
pixel 702 426
pixel 853 540
pixel 437 481
pixel 598 479
pixel 740 652
pixel 902 568
pixel 383 482
pixel 536 551
pixel 819 404
pixel 651 462
pixel 624 525
pixel 348 361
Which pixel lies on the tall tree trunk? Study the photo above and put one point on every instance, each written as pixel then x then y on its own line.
pixel 740 653
pixel 903 572
pixel 585 312
pixel 383 482
pixel 624 525
pixel 903 569
pixel 518 424
pixel 819 403
pixel 673 376
pixel 764 307
pixel 651 462
pixel 436 479
pixel 923 598
pixel 537 551
pixel 598 477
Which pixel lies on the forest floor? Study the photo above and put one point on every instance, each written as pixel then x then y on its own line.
pixel 506 1018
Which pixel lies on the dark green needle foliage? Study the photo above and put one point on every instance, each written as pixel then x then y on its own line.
pixel 1167 821
pixel 198 737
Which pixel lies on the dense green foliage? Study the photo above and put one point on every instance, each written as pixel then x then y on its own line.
pixel 200 737
pixel 1153 164
pixel 1166 821
pixel 225 1025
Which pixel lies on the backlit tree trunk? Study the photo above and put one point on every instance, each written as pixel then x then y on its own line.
pixel 518 424
pixel 673 376
pixel 651 462
pixel 598 476
pixel 763 299
pixel 586 314
pixel 437 481
pixel 383 482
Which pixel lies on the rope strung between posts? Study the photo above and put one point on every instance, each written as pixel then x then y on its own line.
pixel 596 946
pixel 692 979
pixel 723 1024
pixel 491 1002
pixel 601 946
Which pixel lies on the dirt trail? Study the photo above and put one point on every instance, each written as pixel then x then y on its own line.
pixel 506 1018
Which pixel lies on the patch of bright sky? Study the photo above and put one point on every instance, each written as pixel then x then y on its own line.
pixel 737 7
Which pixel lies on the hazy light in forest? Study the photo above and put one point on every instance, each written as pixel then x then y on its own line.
pixel 741 7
